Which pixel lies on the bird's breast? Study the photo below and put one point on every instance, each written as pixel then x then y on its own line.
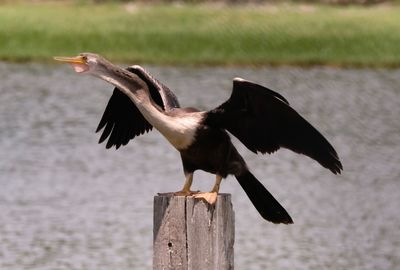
pixel 180 130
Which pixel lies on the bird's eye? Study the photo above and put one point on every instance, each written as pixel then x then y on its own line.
pixel 84 58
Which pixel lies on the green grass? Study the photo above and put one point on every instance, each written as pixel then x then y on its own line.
pixel 204 34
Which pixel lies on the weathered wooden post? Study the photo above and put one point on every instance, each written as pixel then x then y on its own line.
pixel 189 234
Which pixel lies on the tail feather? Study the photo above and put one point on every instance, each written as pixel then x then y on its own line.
pixel 268 207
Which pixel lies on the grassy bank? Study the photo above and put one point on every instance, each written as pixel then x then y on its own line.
pixel 172 34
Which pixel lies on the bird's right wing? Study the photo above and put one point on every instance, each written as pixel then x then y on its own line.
pixel 264 121
pixel 122 121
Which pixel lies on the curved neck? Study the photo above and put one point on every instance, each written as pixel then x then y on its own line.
pixel 137 90
pixel 179 130
pixel 130 84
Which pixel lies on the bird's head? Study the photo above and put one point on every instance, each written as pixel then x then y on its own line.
pixel 88 63
pixel 96 65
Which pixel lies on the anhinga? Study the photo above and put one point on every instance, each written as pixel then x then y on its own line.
pixel 259 117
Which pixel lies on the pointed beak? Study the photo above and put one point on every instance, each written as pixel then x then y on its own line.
pixel 71 60
pixel 77 62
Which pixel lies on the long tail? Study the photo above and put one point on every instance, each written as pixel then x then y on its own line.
pixel 268 207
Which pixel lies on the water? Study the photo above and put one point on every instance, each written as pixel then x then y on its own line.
pixel 67 203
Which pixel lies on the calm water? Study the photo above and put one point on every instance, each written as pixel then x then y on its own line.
pixel 67 203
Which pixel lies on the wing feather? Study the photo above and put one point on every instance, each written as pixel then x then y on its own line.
pixel 160 93
pixel 263 121
pixel 121 120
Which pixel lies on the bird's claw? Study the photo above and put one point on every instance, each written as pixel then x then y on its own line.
pixel 185 193
pixel 210 197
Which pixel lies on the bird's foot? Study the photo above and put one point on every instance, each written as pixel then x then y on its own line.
pixel 179 193
pixel 210 197
pixel 186 193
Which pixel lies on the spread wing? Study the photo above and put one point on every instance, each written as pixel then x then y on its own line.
pixel 264 121
pixel 122 121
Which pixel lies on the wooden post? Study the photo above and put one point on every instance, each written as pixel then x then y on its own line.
pixel 189 234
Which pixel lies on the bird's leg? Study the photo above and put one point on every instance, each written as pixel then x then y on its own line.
pixel 211 197
pixel 186 187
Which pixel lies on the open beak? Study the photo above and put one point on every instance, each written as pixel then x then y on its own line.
pixel 77 62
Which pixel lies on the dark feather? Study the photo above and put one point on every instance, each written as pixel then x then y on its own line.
pixel 263 121
pixel 161 94
pixel 268 207
pixel 121 121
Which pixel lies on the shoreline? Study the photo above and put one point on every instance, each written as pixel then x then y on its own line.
pixel 288 34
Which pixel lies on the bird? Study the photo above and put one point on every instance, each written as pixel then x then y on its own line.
pixel 260 118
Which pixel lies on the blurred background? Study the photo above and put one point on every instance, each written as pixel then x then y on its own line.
pixel 68 203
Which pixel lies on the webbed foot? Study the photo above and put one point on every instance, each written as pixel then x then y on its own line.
pixel 179 193
pixel 210 197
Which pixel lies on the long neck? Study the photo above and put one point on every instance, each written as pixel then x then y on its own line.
pixel 129 83
pixel 179 131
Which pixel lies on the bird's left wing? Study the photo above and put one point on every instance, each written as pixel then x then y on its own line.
pixel 264 121
pixel 122 121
